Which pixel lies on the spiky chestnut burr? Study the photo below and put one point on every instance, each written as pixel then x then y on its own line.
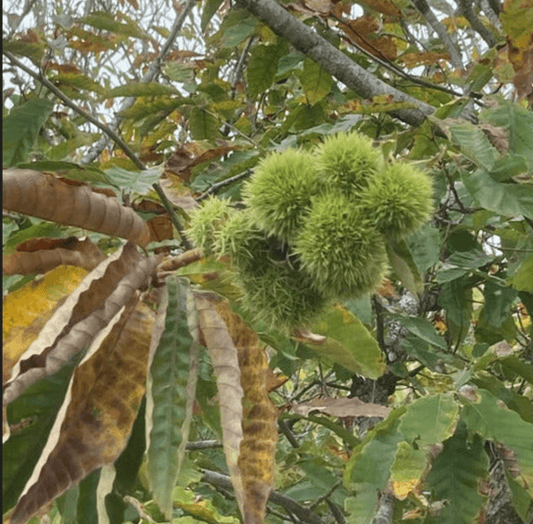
pixel 348 161
pixel 340 248
pixel 275 291
pixel 206 222
pixel 281 190
pixel 399 200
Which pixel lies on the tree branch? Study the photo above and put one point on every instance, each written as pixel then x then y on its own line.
pixel 69 103
pixel 152 73
pixel 386 510
pixel 306 40
pixel 467 10
pixel 433 21
pixel 303 514
pixel 226 182
pixel 108 133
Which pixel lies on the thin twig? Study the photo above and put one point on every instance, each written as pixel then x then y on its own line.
pixel 203 444
pixel 325 496
pixel 151 75
pixel 215 187
pixel 181 260
pixel 303 513
pixel 69 103
pixel 387 64
pixel 175 220
pixel 109 132
pixel 27 8
pixel 286 430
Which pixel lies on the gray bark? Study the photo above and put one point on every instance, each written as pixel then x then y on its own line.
pixel 343 68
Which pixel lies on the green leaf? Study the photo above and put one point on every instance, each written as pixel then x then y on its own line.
pixel 522 405
pixel 520 497
pixel 362 507
pixel 79 81
pixel 523 278
pixel 425 248
pixel 134 181
pixel 67 147
pixel 518 121
pixel 404 266
pixel 422 351
pixel 486 417
pixel 456 299
pixel 87 511
pixel 518 366
pixel 21 128
pixel 67 505
pixel 423 329
pixel 32 50
pixel 371 462
pixel 142 89
pixel 170 394
pixel 349 344
pixel 455 476
pixel 106 21
pixel 498 301
pixel 505 199
pixel 238 25
pixel 508 167
pixel 210 8
pixel 474 144
pixel 262 68
pixel 203 125
pixel 36 409
pixel 409 463
pixel 315 80
pixel 429 420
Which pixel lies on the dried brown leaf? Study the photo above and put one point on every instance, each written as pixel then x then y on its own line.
pixel 75 325
pixel 341 407
pixel 225 361
pixel 40 255
pixel 95 421
pixel 258 447
pixel 64 202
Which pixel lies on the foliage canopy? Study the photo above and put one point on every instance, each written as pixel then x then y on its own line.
pixel 149 373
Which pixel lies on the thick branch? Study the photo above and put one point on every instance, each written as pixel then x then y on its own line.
pixel 303 514
pixel 386 510
pixel 152 73
pixel 434 22
pixel 475 22
pixel 306 40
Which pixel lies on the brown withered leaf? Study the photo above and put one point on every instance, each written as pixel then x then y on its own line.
pixel 258 447
pixel 68 203
pixel 520 53
pixel 92 291
pixel 160 225
pixel 226 364
pixel 341 407
pixel 385 7
pixel 40 255
pixel 79 320
pixel 191 154
pixel 498 136
pixel 304 335
pixel 178 194
pixel 428 57
pixel 26 311
pixel 95 421
pixel 360 31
